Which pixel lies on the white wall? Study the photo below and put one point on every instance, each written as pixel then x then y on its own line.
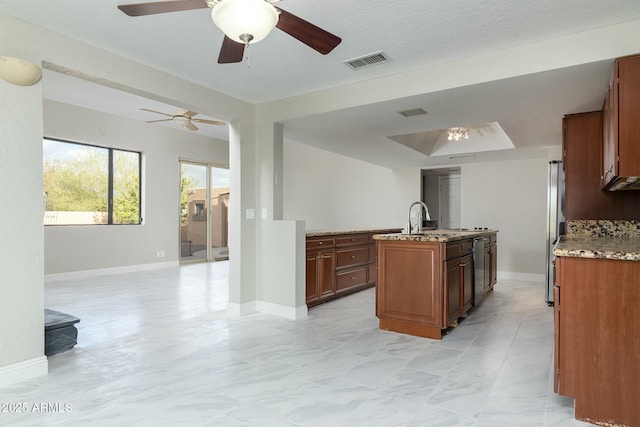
pixel 21 211
pixel 333 192
pixel 75 248
pixel 510 196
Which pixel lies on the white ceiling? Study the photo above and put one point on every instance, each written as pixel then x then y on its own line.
pixel 411 32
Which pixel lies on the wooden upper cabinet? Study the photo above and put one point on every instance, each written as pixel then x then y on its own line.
pixel 582 151
pixel 621 130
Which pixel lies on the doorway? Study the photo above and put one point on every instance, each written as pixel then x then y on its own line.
pixel 441 193
pixel 204 219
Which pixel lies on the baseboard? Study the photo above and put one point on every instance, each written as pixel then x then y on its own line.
pixel 527 277
pixel 23 371
pixel 286 311
pixel 83 274
pixel 238 310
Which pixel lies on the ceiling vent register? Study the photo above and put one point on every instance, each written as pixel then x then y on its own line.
pixel 367 60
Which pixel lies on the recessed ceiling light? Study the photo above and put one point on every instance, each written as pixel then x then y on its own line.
pixel 413 112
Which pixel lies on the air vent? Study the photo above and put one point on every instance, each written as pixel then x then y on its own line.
pixel 367 60
pixel 413 112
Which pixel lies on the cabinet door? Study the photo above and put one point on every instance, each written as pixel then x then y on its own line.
pixel 466 287
pixel 313 271
pixel 556 339
pixel 494 266
pixel 327 273
pixel 628 115
pixel 609 139
pixel 452 291
pixel 487 268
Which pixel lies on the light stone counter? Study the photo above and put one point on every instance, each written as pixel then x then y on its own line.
pixel 320 233
pixel 438 235
pixel 620 248
pixel 604 239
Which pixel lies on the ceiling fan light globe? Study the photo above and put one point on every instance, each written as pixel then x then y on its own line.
pixel 239 18
pixel 19 71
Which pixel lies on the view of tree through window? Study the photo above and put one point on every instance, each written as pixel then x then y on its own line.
pixel 85 184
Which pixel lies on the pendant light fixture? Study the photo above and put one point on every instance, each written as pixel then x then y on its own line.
pixel 457 133
pixel 245 21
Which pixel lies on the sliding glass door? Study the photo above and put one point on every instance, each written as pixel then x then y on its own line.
pixel 204 201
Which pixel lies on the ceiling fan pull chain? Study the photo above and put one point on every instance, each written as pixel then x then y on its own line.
pixel 248 58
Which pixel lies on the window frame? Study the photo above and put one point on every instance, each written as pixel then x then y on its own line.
pixel 110 185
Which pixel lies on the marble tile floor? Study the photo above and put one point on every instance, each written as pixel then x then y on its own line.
pixel 156 348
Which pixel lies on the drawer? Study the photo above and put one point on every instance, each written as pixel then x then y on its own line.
pixel 453 250
pixel 456 249
pixel 352 240
pixel 351 257
pixel 348 279
pixel 320 242
pixel 466 247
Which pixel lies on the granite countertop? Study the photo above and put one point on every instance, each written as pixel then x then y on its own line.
pixel 438 235
pixel 319 233
pixel 580 246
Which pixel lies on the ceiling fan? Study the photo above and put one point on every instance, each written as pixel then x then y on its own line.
pixel 185 118
pixel 244 22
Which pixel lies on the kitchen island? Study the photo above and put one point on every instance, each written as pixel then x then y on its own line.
pixel 597 325
pixel 426 280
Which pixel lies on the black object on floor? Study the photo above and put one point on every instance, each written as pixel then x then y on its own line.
pixel 60 334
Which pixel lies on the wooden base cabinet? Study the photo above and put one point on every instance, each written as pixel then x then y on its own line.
pixel 340 264
pixel 423 287
pixel 491 263
pixel 597 330
pixel 321 267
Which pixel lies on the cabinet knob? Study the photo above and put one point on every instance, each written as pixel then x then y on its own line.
pixel 353 239
pixel 353 277
pixel 353 256
pixel 319 243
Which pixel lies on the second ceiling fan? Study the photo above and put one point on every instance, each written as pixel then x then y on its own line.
pixel 244 22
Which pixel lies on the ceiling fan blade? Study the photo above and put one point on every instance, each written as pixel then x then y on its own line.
pixel 191 126
pixel 157 112
pixel 230 51
pixel 314 37
pixel 153 8
pixel 209 122
pixel 161 120
pixel 187 113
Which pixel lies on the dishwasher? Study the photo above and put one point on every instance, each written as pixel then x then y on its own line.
pixel 478 269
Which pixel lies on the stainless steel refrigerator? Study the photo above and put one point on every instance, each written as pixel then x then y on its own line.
pixel 555 220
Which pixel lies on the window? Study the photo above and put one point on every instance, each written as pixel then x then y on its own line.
pixel 85 184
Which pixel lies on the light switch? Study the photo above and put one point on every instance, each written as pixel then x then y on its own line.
pixel 264 213
pixel 251 214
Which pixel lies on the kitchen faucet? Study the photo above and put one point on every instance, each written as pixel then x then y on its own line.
pixel 426 210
